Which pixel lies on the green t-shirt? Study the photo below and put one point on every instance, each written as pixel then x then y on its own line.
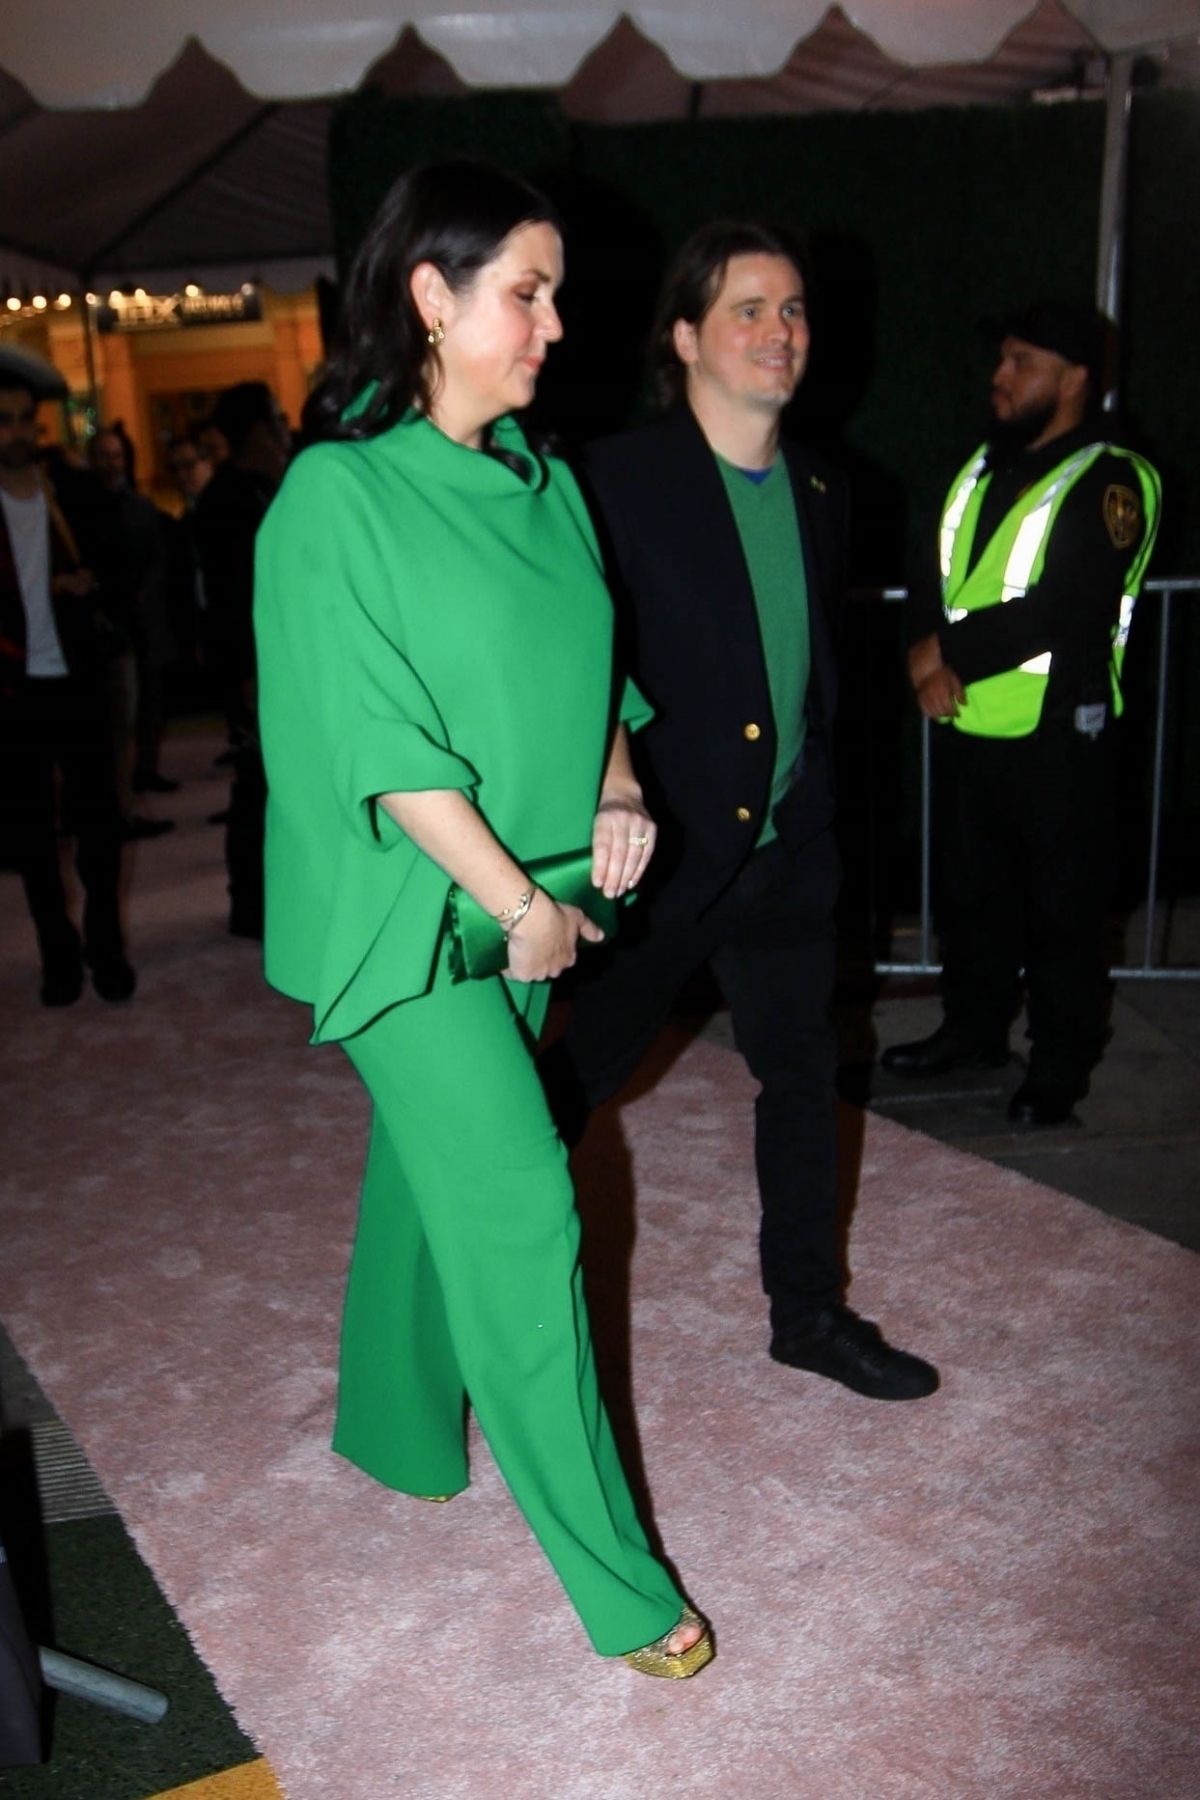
pixel 765 514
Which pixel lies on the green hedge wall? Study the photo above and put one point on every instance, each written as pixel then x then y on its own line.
pixel 921 225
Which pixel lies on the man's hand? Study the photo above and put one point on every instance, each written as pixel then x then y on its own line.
pixel 80 582
pixel 924 657
pixel 941 694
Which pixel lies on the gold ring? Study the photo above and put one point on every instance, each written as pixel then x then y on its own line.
pixel 639 841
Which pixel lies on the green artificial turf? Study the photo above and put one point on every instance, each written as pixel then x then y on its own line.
pixel 105 1608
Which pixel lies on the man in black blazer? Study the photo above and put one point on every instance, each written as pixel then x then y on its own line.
pixel 725 549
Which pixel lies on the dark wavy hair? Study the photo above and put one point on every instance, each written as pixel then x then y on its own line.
pixel 693 282
pixel 455 215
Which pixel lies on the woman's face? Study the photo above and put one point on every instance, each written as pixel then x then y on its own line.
pixel 497 331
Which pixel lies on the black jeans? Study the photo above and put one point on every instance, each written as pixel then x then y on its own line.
pixel 63 723
pixel 769 941
pixel 1024 854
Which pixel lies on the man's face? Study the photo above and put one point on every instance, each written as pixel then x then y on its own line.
pixel 268 446
pixel 1029 386
pixel 18 428
pixel 189 470
pixel 750 348
pixel 108 459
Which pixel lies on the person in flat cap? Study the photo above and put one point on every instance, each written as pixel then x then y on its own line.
pixel 1016 647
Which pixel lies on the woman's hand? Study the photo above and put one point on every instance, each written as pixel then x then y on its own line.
pixel 623 832
pixel 545 941
pixel 623 835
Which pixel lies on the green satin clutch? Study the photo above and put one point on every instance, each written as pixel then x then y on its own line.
pixel 478 947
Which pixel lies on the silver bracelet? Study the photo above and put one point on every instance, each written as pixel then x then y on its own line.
pixel 510 916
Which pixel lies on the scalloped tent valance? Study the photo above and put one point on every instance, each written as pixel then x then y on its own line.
pixel 104 53
pixel 162 141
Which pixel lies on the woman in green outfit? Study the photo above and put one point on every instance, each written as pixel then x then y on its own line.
pixel 434 645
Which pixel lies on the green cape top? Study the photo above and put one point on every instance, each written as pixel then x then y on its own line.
pixel 425 618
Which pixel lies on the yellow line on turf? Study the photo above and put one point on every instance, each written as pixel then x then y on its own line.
pixel 252 1781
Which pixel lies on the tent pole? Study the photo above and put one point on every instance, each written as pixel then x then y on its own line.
pixel 89 351
pixel 1110 250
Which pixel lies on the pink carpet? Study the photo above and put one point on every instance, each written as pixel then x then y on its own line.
pixel 990 1594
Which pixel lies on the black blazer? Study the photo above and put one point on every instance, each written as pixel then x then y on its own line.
pixel 689 634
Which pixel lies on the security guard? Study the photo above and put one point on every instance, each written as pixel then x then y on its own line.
pixel 1044 541
pixel 726 554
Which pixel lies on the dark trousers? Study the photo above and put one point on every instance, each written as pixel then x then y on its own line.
pixel 244 833
pixel 770 943
pixel 1025 857
pixel 63 724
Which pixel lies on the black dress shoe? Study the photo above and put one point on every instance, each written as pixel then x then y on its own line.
pixel 62 980
pixel 839 1344
pixel 1033 1104
pixel 949 1047
pixel 113 978
pixel 150 781
pixel 140 827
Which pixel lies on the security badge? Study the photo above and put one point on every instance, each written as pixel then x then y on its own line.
pixel 1122 516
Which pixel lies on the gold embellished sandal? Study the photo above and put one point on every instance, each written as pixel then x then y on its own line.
pixel 677 1665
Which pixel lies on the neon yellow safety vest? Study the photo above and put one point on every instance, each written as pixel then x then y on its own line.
pixel 1009 705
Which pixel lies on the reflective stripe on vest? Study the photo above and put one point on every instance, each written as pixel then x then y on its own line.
pixel 1010 704
pixel 956 506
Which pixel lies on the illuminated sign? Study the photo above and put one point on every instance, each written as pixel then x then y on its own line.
pixel 141 311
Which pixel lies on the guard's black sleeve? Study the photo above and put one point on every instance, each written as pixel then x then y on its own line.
pixel 923 613
pixel 1072 608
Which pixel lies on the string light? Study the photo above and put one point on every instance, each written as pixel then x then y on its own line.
pixel 39 303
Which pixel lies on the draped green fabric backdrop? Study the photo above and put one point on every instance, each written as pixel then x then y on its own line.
pixel 920 225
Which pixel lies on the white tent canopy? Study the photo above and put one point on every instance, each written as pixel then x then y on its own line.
pixel 110 52
pixel 188 140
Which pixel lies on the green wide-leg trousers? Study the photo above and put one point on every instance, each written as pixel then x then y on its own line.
pixel 465 1284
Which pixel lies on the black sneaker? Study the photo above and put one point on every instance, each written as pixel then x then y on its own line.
pixel 840 1345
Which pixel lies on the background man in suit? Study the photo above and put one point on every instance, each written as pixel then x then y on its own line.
pixel 54 653
pixel 725 545
pixel 228 514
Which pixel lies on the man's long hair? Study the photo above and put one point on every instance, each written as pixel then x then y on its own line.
pixel 693 282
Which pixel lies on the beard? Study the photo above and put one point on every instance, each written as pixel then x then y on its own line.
pixel 1008 437
pixel 18 455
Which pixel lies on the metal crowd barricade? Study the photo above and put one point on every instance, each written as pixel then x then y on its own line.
pixel 1148 969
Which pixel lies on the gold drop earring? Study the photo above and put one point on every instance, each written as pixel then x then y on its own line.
pixel 436 334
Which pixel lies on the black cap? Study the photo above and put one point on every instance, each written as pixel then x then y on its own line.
pixel 1077 333
pixel 21 368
